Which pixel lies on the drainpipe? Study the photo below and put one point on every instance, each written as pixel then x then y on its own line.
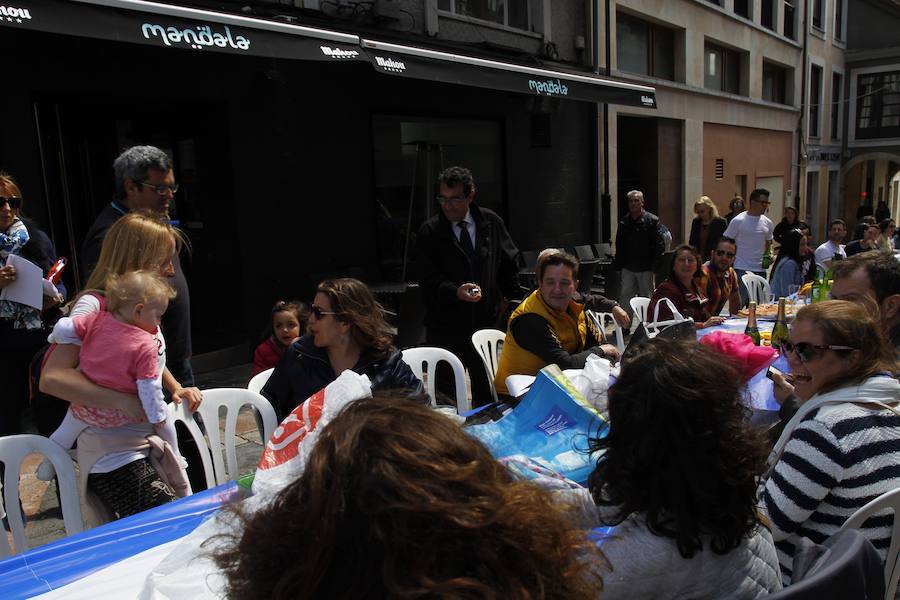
pixel 605 197
pixel 803 122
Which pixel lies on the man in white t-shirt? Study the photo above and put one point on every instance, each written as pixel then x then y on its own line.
pixel 837 229
pixel 752 231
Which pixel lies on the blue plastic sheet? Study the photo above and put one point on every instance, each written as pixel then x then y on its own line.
pixel 59 563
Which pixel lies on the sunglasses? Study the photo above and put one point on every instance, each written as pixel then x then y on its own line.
pixel 161 188
pixel 806 351
pixel 721 253
pixel 318 313
pixel 13 201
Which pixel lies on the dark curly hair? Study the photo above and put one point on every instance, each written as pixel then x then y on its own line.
pixel 355 304
pixel 398 502
pixel 680 453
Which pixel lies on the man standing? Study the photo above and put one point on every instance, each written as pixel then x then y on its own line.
pixel 639 246
pixel 752 231
pixel 145 181
pixel 467 269
pixel 827 252
pixel 719 280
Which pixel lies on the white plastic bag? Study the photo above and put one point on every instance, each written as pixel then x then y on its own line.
pixel 593 381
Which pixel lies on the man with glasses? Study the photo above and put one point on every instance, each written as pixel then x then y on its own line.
pixel 719 280
pixel 752 231
pixel 467 269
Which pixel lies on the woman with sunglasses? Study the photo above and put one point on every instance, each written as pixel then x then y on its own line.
pixel 346 330
pixel 681 288
pixel 842 447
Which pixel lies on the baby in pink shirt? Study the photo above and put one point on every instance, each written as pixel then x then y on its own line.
pixel 119 351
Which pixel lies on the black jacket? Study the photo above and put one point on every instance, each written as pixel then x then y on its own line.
pixel 304 370
pixel 443 266
pixel 716 228
pixel 639 243
pixel 781 229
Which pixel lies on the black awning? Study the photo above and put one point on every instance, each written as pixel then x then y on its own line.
pixel 435 65
pixel 169 26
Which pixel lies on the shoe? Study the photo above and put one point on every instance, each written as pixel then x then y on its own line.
pixel 45 471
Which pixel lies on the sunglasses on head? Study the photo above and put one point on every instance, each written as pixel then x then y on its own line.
pixel 721 253
pixel 13 201
pixel 806 351
pixel 318 313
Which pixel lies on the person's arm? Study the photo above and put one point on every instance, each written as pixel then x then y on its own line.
pixel 600 303
pixel 179 394
pixel 734 298
pixel 533 333
pixel 60 378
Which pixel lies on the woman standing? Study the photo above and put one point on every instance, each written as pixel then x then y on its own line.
pixel 789 222
pixel 735 207
pixel 707 227
pixel 842 447
pixel 788 268
pixel 683 291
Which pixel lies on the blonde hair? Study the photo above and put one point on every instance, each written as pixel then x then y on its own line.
pixel 136 287
pixel 713 211
pixel 139 241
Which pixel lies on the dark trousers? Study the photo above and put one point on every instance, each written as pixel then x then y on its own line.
pixel 19 347
pixel 460 344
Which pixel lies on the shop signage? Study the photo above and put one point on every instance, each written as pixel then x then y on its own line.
pixel 203 36
pixel 824 155
pixel 338 53
pixel 12 13
pixel 394 66
pixel 548 87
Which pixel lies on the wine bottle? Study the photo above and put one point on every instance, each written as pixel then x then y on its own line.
pixel 780 332
pixel 752 330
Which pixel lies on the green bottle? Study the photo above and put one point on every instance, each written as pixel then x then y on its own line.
pixel 818 287
pixel 752 330
pixel 766 258
pixel 780 331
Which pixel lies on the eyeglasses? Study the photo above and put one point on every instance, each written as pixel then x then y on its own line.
pixel 13 201
pixel 453 200
pixel 162 188
pixel 806 351
pixel 318 313
pixel 721 253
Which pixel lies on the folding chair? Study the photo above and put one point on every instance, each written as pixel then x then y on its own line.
pixel 889 501
pixel 489 343
pixel 424 360
pixel 758 289
pixel 13 450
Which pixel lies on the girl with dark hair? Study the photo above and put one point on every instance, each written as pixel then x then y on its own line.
pixel 678 479
pixel 788 268
pixel 789 222
pixel 887 228
pixel 682 289
pixel 396 501
pixel 347 330
pixel 287 322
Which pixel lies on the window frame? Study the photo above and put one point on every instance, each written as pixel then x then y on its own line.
pixel 891 132
pixel 452 9
pixel 651 46
pixel 725 52
pixel 814 109
pixel 837 105
pixel 784 71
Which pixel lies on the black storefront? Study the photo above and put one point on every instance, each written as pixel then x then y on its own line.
pixel 292 167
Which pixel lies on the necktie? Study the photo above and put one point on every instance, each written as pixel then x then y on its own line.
pixel 466 241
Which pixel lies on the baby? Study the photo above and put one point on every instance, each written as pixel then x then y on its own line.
pixel 119 351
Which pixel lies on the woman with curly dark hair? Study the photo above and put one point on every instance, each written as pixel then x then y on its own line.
pixel 346 330
pixel 396 501
pixel 678 479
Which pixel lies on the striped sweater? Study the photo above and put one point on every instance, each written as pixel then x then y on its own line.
pixel 837 459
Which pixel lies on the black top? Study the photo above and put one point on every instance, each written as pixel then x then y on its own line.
pixel 781 229
pixel 716 228
pixel 855 247
pixel 639 243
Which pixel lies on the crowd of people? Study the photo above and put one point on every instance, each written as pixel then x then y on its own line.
pixel 396 499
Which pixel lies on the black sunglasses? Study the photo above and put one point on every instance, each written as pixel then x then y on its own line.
pixel 318 313
pixel 13 201
pixel 807 351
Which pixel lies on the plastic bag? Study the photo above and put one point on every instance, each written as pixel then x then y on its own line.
pixel 593 382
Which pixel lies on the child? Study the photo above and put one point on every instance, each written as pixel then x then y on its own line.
pixel 119 351
pixel 288 322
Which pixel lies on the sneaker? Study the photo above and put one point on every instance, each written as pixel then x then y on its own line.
pixel 45 470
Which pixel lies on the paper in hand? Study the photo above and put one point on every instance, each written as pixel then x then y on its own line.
pixel 28 288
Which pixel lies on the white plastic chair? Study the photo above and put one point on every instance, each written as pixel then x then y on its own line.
pixel 13 449
pixel 429 357
pixel 758 289
pixel 178 412
pixel 232 400
pixel 600 320
pixel 639 305
pixel 489 343
pixel 258 381
pixel 881 504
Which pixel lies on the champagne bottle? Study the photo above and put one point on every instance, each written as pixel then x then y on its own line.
pixel 752 330
pixel 780 332
pixel 766 257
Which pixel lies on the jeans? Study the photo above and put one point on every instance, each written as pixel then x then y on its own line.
pixel 635 283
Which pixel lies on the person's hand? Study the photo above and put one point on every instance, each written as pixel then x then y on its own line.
pixel 713 321
pixel 621 317
pixel 782 388
pixel 7 275
pixel 51 301
pixel 469 292
pixel 191 395
pixel 610 352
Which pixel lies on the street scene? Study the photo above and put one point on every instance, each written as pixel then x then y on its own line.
pixel 450 298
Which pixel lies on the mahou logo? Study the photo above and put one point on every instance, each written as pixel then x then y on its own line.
pixel 197 37
pixel 394 66
pixel 14 14
pixel 338 52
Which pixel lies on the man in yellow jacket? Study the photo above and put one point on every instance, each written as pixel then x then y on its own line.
pixel 549 326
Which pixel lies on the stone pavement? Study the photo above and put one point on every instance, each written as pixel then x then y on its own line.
pixel 43 517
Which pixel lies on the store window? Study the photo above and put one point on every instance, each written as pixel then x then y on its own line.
pixel 512 13
pixel 815 99
pixel 775 82
pixel 722 70
pixel 644 48
pixel 878 105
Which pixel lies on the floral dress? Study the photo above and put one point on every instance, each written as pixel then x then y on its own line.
pixel 11 242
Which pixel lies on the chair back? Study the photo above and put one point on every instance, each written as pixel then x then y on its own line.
pixel 601 319
pixel 639 305
pixel 585 252
pixel 230 401
pixel 758 289
pixel 258 381
pixel 489 343
pixel 179 413
pixel 603 251
pixel 586 269
pixel 13 450
pixel 884 504
pixel 424 361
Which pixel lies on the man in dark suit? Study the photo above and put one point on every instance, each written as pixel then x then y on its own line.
pixel 467 271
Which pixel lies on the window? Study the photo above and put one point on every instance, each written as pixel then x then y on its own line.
pixel 722 71
pixel 644 48
pixel 767 15
pixel 836 81
pixel 878 105
pixel 815 99
pixel 774 83
pixel 789 30
pixel 818 9
pixel 512 13
pixel 742 7
pixel 839 20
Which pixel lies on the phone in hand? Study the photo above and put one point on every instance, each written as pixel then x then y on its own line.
pixel 775 371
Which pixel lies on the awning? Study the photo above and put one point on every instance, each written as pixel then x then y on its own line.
pixel 179 27
pixel 459 69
